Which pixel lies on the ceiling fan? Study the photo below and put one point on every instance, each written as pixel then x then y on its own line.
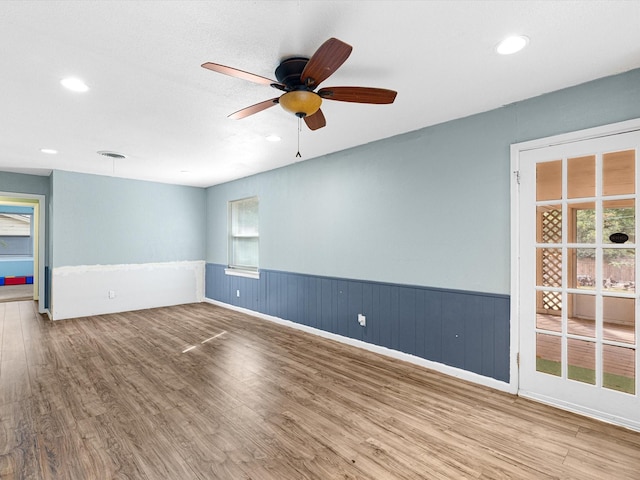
pixel 298 77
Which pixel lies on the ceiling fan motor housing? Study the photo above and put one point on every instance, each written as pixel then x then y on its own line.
pixel 289 72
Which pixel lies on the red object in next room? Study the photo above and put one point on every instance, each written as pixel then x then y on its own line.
pixel 15 280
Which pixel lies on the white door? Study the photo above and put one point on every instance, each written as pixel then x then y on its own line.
pixel 578 300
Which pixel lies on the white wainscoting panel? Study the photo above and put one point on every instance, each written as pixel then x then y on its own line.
pixel 80 291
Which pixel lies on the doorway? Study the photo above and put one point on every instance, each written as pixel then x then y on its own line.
pixel 575 270
pixel 37 203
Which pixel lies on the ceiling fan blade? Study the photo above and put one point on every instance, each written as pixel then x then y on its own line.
pixel 358 94
pixel 234 72
pixel 325 61
pixel 258 107
pixel 315 121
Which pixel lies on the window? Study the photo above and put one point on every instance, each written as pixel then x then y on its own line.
pixel 15 235
pixel 243 237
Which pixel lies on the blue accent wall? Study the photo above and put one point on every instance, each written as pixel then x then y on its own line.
pixel 47 286
pixel 408 229
pixel 467 330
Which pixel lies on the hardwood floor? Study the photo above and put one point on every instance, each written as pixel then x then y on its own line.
pixel 201 392
pixel 11 293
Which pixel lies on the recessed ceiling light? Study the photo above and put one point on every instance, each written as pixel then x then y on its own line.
pixel 49 151
pixel 273 138
pixel 512 44
pixel 74 84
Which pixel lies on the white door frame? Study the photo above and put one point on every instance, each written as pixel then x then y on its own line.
pixel 516 149
pixel 31 200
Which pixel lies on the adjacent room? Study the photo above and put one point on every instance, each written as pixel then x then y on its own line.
pixel 16 252
pixel 319 239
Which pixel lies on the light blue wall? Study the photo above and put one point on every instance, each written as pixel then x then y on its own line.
pixel 16 267
pixel 19 183
pixel 601 102
pixel 107 221
pixel 427 208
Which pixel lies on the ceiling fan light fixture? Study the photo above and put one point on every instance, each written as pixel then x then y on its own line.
pixel 301 103
pixel 298 77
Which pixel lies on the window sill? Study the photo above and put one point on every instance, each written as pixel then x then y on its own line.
pixel 236 272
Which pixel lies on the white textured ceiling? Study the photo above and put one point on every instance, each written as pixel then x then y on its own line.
pixel 150 99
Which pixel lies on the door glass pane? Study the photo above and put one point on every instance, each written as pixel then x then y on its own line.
pixel 581 313
pixel 619 368
pixel 618 173
pixel 549 354
pixel 619 216
pixel 549 321
pixel 549 180
pixel 581 177
pixel 582 268
pixel 619 319
pixel 583 228
pixel 581 360
pixel 619 270
pixel 549 267
pixel 549 302
pixel 549 225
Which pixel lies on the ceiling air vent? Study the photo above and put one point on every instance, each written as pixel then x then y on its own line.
pixel 106 153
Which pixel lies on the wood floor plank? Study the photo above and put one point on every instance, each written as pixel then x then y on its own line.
pixel 109 451
pixel 16 386
pixel 18 457
pixel 201 392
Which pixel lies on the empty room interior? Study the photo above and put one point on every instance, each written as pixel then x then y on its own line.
pixel 299 239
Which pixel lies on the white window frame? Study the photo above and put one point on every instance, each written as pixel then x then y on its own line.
pixel 249 271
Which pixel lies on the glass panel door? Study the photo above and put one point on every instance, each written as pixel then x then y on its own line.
pixel 577 292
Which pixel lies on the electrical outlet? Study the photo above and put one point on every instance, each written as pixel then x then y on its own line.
pixel 362 320
pixel 237 293
pixel 112 294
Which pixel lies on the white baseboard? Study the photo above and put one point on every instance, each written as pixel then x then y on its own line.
pixel 81 291
pixel 582 410
pixel 438 367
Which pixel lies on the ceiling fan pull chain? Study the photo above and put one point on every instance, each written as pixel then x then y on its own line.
pixel 299 128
